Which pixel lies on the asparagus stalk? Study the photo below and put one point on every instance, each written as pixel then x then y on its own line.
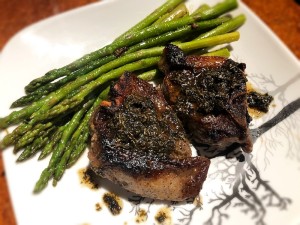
pixel 66 135
pixel 223 52
pixel 158 40
pixel 84 127
pixel 129 39
pixel 209 42
pixel 34 95
pixel 149 75
pixel 154 16
pixel 160 28
pixel 49 87
pixel 151 58
pixel 201 9
pixel 178 12
pixel 37 145
pixel 181 32
pixel 162 39
pixel 75 155
pixel 52 144
pixel 28 137
pixel 78 141
pixel 219 9
pixel 225 27
pixel 56 73
pixel 69 104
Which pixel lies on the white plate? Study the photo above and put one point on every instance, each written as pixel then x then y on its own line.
pixel 264 190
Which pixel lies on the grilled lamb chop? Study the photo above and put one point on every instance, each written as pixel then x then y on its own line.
pixel 139 143
pixel 209 96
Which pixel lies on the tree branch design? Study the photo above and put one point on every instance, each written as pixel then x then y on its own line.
pixel 249 192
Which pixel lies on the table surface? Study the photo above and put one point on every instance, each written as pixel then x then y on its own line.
pixel 282 16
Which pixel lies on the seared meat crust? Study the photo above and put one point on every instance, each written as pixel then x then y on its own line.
pixel 139 143
pixel 209 96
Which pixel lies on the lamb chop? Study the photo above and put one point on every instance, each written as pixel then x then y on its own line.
pixel 209 96
pixel 139 143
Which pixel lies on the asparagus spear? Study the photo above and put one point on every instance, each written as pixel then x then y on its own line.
pixel 37 145
pixel 160 28
pixel 78 141
pixel 158 40
pixel 28 137
pixel 74 156
pixel 179 33
pixel 150 75
pixel 155 15
pixel 11 138
pixel 129 39
pixel 178 12
pixel 201 9
pixel 148 61
pixel 56 73
pixel 51 145
pixel 67 133
pixel 210 41
pixel 223 52
pixel 46 86
pixel 225 27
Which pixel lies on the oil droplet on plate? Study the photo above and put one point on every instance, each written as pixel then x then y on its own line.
pixel 254 113
pixel 141 216
pixel 98 206
pixel 163 216
pixel 88 178
pixel 113 203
